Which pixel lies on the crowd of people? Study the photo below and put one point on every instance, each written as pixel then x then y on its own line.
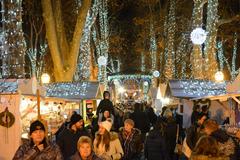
pixel 132 135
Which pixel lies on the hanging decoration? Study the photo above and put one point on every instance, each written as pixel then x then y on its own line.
pixel 156 74
pixel 219 76
pixel 7 119
pixel 198 36
pixel 102 61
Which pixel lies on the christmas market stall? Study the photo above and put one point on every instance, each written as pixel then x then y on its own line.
pixel 10 116
pixel 85 94
pixel 192 92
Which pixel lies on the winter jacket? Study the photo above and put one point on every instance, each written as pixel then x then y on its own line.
pixel 115 151
pixel 155 147
pixel 193 134
pixel 68 139
pixel 225 143
pixel 27 151
pixel 203 157
pixel 105 105
pixel 171 133
pixel 131 144
pixel 141 121
pixel 92 156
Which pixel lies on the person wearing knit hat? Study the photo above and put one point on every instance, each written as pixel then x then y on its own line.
pixel 106 124
pixel 106 144
pixel 36 125
pixel 68 138
pixel 37 147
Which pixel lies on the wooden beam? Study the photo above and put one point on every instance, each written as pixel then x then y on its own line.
pixel 235 99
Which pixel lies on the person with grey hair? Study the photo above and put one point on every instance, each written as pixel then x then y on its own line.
pixel 130 139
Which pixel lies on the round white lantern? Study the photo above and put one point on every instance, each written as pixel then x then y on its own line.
pixel 219 76
pixel 145 83
pixel 156 74
pixel 198 36
pixel 102 61
pixel 45 78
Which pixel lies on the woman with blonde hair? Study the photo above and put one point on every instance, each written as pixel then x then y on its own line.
pixel 106 144
pixel 85 152
pixel 207 149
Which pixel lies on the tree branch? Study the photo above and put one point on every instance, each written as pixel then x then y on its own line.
pixel 224 21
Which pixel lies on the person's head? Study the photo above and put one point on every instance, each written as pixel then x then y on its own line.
pixel 196 108
pixel 206 145
pixel 160 125
pixel 168 113
pixel 128 125
pixel 105 126
pixel 104 133
pixel 37 132
pixel 210 126
pixel 106 114
pixel 76 121
pixel 84 146
pixel 137 106
pixel 106 95
pixel 163 110
pixel 205 108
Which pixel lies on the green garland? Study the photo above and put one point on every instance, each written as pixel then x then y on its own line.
pixel 7 119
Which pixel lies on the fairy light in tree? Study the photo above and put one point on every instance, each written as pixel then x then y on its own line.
pixel 143 66
pixel 181 57
pixel 234 72
pixel 83 71
pixel 196 56
pixel 153 47
pixel 220 54
pixel 210 47
pixel 13 58
pixel 169 66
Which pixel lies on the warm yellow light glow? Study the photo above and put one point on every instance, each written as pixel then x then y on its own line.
pixel 121 89
pixel 45 78
pixel 219 76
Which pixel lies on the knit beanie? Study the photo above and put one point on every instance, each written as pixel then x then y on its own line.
pixel 75 118
pixel 106 124
pixel 36 125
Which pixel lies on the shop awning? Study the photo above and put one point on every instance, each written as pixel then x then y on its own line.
pixel 8 86
pixel 74 90
pixel 194 88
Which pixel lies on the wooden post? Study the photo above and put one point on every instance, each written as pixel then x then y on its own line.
pixel 38 104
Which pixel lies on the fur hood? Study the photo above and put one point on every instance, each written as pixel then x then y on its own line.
pixel 203 157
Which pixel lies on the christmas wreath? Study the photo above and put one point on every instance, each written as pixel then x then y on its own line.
pixel 7 119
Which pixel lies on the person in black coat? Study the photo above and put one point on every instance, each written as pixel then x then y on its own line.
pixel 151 115
pixel 194 132
pixel 195 113
pixel 171 132
pixel 156 147
pixel 105 104
pixel 68 139
pixel 141 120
